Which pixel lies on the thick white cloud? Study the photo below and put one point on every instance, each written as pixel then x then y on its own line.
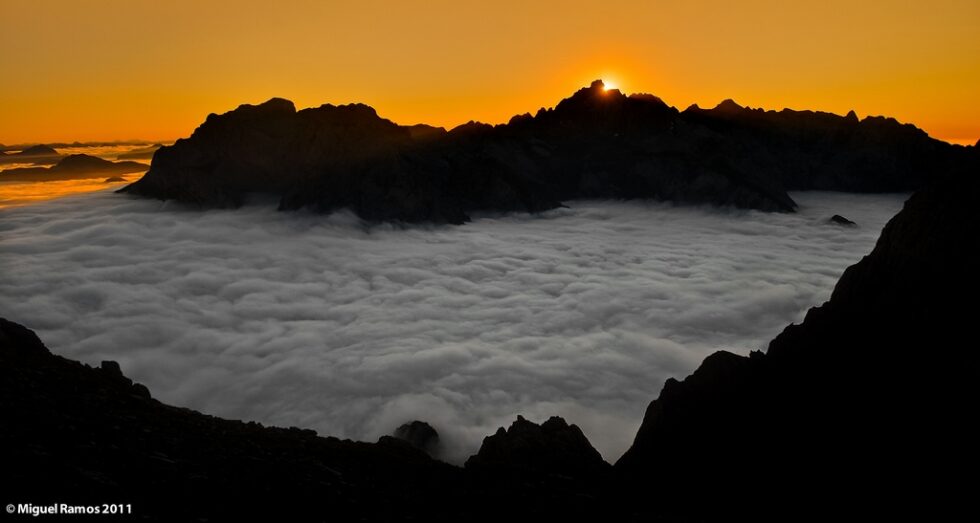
pixel 320 322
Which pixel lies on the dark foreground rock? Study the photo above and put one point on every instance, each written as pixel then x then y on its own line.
pixel 597 143
pixel 861 410
pixel 72 167
pixel 81 435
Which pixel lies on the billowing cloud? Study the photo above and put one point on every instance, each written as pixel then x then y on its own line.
pixel 320 322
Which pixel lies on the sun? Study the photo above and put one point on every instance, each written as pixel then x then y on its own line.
pixel 609 85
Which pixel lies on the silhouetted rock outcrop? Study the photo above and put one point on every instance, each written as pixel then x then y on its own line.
pixel 420 435
pixel 72 167
pixel 598 143
pixel 36 154
pixel 72 433
pixel 554 447
pixel 840 220
pixel 861 409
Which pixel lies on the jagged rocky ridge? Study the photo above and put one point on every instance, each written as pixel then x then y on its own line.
pixel 598 143
pixel 864 409
pixel 553 446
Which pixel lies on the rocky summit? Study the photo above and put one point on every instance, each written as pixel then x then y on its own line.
pixel 554 447
pixel 598 143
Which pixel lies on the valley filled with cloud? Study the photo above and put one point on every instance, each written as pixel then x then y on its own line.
pixel 326 323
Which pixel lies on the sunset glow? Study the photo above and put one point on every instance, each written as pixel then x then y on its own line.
pixel 13 194
pixel 119 70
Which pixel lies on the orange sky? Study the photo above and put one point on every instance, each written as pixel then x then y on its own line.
pixel 106 69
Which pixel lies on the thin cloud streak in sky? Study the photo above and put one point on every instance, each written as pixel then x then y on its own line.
pixel 319 322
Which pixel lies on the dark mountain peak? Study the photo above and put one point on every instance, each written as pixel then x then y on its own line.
pixel 354 118
pixel 268 116
pixel 728 106
pixel 268 109
pixel 38 150
pixel 852 116
pixel 554 447
pixel 420 435
pixel 471 127
pixel 648 98
pixel 519 119
pixel 594 97
pixel 357 108
pixel 270 106
pixel 81 162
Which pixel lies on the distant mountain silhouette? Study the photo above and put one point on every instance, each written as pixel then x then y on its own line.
pixel 597 143
pixel 75 166
pixel 37 154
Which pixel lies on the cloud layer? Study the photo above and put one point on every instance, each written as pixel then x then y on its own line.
pixel 320 322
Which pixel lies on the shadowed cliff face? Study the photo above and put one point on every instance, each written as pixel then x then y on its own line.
pixel 597 143
pixel 76 434
pixel 861 408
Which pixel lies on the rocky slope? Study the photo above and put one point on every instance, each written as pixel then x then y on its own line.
pixel 72 167
pixel 81 435
pixel 598 143
pixel 862 408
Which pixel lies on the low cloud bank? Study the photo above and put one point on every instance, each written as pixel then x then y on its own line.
pixel 319 322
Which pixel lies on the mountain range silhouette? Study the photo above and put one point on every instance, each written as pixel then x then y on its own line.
pixel 597 143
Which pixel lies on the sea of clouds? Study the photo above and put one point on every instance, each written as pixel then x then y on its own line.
pixel 323 323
